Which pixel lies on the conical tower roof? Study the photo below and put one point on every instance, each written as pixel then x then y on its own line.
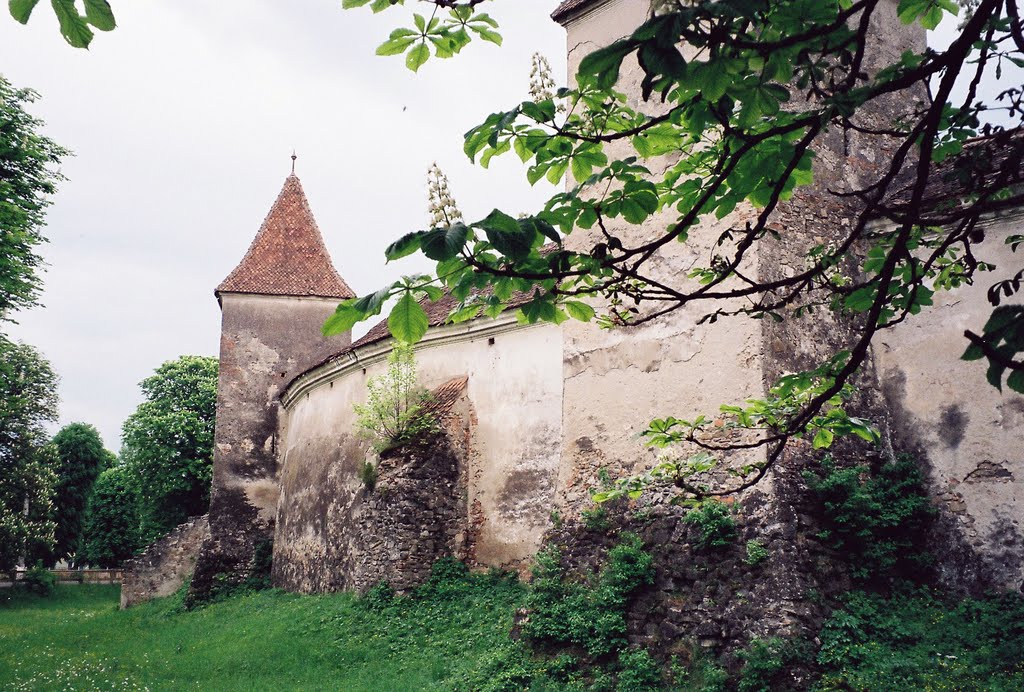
pixel 288 256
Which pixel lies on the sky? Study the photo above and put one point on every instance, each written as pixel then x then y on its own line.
pixel 183 121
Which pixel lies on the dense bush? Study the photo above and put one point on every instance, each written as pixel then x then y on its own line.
pixel 38 580
pixel 590 615
pixel 875 519
pixel 765 662
pixel 916 640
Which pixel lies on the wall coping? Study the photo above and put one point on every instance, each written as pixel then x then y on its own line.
pixel 377 351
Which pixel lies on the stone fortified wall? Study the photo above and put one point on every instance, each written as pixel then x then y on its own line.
pixel 165 565
pixel 391 530
pixel 513 428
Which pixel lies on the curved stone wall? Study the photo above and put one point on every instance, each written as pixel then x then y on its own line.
pixel 509 430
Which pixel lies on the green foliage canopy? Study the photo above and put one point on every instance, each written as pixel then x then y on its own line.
pixel 168 443
pixel 110 530
pixel 28 176
pixel 28 400
pixel 80 459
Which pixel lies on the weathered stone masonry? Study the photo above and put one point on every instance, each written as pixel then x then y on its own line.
pixel 273 306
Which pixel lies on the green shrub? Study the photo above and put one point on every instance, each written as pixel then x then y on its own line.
pixel 756 553
pixel 638 671
pixel 876 521
pixel 591 615
pixel 715 525
pixel 917 640
pixel 368 475
pixel 38 580
pixel 259 570
pixel 703 674
pixel 765 661
pixel 449 578
pixel 596 519
pixel 379 596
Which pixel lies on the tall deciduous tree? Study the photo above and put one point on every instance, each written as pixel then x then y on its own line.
pixel 168 443
pixel 28 401
pixel 28 176
pixel 80 459
pixel 110 530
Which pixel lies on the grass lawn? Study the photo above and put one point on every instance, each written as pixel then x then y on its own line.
pixel 78 639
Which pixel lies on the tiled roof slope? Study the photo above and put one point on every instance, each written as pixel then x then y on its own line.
pixel 437 314
pixel 983 161
pixel 287 257
pixel 567 7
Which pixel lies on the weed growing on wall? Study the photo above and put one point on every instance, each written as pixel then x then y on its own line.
pixel 715 525
pixel 875 519
pixel 395 409
pixel 756 553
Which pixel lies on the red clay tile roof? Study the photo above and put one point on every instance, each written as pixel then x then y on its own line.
pixel 568 7
pixel 983 161
pixel 444 397
pixel 287 257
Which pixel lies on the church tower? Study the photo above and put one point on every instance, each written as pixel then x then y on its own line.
pixel 273 305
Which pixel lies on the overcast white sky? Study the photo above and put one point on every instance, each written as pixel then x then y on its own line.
pixel 183 120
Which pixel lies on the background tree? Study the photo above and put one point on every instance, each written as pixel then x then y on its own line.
pixel 80 458
pixel 735 122
pixel 110 530
pixel 168 443
pixel 28 176
pixel 28 400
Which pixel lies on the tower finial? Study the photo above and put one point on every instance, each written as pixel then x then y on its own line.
pixel 293 161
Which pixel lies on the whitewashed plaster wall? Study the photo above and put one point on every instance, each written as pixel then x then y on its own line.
pixel 515 390
pixel 617 380
pixel 943 409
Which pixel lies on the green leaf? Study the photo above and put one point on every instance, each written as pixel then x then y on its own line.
pixel 417 56
pixel 1016 381
pixel 579 310
pixel 486 34
pixel 396 46
pixel 465 313
pixel 604 63
pixel 73 26
pixel 343 319
pixel 349 4
pixel 404 246
pixel 99 14
pixel 862 299
pixel 21 10
pixel 505 234
pixel 823 438
pixel 712 79
pixel 408 321
pixel 534 225
pixel 442 244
